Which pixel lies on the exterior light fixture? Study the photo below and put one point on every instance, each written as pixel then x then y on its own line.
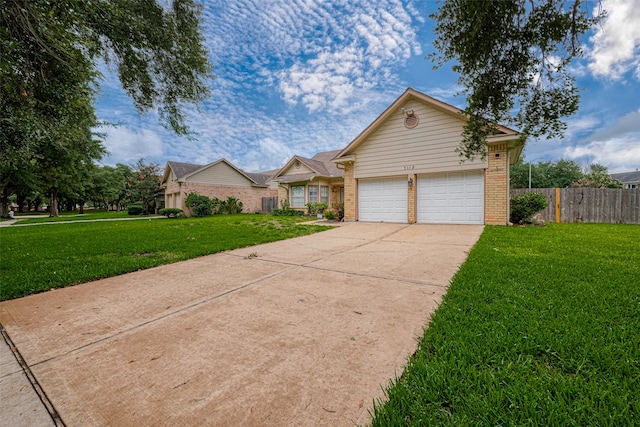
pixel 410 182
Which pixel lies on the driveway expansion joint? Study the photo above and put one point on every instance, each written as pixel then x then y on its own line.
pixel 55 417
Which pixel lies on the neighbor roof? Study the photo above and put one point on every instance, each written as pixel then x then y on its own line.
pixel 320 164
pixel 627 177
pixel 185 170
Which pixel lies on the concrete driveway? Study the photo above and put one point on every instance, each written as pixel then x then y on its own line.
pixel 299 332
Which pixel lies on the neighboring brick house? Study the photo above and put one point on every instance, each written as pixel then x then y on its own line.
pixel 404 167
pixel 220 179
pixel 304 180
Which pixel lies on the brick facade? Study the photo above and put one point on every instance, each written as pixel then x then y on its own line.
pixel 283 195
pixel 496 202
pixel 350 193
pixel 411 199
pixel 251 197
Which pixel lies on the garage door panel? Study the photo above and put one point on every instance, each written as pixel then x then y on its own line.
pixel 451 198
pixel 382 199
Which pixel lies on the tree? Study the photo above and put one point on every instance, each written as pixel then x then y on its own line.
pixel 598 180
pixel 512 53
pixel 158 51
pixel 109 186
pixel 62 167
pixel 143 184
pixel 49 51
pixel 558 174
pixel 597 168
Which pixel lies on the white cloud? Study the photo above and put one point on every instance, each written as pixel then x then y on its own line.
pixel 125 145
pixel 621 154
pixel 590 139
pixel 616 43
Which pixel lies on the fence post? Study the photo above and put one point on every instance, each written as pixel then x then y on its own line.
pixel 558 205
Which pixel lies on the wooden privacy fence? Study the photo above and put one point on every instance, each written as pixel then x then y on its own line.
pixel 585 204
pixel 269 204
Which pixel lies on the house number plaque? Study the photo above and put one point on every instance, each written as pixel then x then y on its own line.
pixel 410 167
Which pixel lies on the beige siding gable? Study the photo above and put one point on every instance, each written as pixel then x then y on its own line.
pixel 219 173
pixel 296 168
pixel 429 147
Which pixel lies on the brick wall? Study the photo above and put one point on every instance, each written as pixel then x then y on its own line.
pixel 411 199
pixel 350 201
pixel 251 197
pixel 496 203
pixel 283 194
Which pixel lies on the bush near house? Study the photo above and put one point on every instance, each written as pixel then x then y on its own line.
pixel 135 209
pixel 203 206
pixel 199 205
pixel 328 214
pixel 525 206
pixel 314 208
pixel 338 210
pixel 171 212
pixel 286 212
pixel 231 206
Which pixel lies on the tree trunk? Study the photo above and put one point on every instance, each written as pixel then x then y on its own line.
pixel 20 199
pixel 53 205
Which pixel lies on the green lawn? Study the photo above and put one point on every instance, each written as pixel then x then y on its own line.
pixel 41 257
pixel 74 216
pixel 540 326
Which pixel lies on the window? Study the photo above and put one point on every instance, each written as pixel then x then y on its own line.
pixel 313 193
pixel 297 196
pixel 324 194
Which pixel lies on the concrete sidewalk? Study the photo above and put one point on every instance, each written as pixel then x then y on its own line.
pixel 304 331
pixel 20 404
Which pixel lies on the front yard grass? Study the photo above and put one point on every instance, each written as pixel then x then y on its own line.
pixel 75 216
pixel 540 326
pixel 41 257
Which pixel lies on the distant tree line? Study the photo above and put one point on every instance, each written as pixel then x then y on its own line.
pixel 101 187
pixel 561 174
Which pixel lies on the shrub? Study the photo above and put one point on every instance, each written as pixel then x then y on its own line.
pixel 286 212
pixel 229 206
pixel 316 207
pixel 232 205
pixel 338 210
pixel 171 212
pixel 199 205
pixel 217 206
pixel 525 206
pixel 328 214
pixel 135 209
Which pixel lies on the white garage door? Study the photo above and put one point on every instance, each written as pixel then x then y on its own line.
pixel 382 199
pixel 451 198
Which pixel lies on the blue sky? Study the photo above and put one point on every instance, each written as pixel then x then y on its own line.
pixel 303 76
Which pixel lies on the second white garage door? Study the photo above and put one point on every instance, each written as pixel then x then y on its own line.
pixel 383 199
pixel 451 198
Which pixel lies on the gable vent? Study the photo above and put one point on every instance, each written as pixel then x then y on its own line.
pixel 411 121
